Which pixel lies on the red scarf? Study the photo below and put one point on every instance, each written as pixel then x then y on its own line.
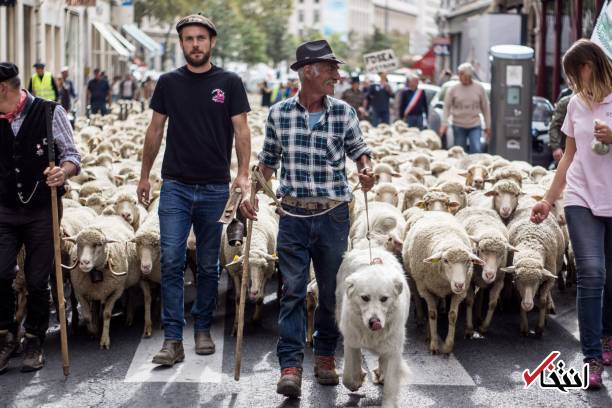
pixel 10 116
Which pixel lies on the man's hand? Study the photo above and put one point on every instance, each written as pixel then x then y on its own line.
pixel 143 190
pixel 557 154
pixel 246 209
pixel 56 176
pixel 243 183
pixel 366 179
pixel 442 130
pixel 487 134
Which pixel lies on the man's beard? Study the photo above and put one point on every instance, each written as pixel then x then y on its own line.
pixel 197 62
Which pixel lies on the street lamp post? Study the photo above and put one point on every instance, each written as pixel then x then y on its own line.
pixel 386 16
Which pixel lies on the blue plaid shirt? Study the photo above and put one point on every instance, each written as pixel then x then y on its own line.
pixel 313 161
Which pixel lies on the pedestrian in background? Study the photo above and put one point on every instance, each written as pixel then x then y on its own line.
pixel 25 208
pixel 98 93
pixel 266 94
pixel 64 95
pixel 413 103
pixel 585 172
pixel 311 121
pixel 71 94
pixel 464 103
pixel 43 84
pixel 378 99
pixel 556 135
pixel 206 107
pixel 115 88
pixel 128 89
pixel 354 96
pixel 147 88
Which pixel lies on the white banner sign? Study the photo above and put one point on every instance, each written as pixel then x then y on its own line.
pixel 602 33
pixel 381 61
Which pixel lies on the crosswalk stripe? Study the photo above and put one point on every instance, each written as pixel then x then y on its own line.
pixel 195 368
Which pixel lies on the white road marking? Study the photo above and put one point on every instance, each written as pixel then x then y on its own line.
pixel 195 368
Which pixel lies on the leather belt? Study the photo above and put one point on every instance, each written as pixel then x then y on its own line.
pixel 319 205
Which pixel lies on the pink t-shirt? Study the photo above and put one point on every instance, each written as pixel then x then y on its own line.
pixel 589 178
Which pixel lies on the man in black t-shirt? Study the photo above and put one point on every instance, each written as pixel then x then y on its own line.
pixel 377 101
pixel 205 107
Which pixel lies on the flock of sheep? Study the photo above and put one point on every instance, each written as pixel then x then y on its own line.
pixel 460 224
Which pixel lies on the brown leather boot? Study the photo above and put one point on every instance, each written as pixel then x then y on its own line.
pixel 8 347
pixel 325 370
pixel 204 344
pixel 290 383
pixel 171 353
pixel 34 358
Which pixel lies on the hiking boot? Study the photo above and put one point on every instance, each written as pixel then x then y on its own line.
pixel 171 353
pixel 203 343
pixel 8 347
pixel 607 350
pixel 325 370
pixel 595 370
pixel 290 383
pixel 33 356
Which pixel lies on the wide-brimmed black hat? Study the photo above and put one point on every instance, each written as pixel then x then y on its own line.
pixel 312 52
pixel 8 70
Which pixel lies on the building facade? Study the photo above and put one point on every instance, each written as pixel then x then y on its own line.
pixel 80 37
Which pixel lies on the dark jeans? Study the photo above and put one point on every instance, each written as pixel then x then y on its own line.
pixel 32 228
pixel 415 121
pixel 462 135
pixel 591 238
pixel 97 107
pixel 377 117
pixel 322 239
pixel 180 206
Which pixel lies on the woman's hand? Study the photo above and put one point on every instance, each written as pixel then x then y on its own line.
pixel 603 133
pixel 540 211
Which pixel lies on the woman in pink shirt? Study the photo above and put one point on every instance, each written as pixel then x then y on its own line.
pixel 585 170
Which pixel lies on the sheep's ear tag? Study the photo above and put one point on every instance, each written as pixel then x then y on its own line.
pixel 274 255
pixel 236 258
pixel 376 261
pixel 435 261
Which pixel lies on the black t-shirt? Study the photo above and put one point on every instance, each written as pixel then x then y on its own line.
pixel 99 90
pixel 200 108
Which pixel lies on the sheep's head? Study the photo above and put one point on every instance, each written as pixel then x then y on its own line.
pixel 126 205
pixel 413 193
pixel 438 167
pixel 260 263
pixel 387 193
pixel 456 152
pixel 508 173
pixel 438 201
pixel 476 175
pixel 493 250
pixel 529 274
pixel 456 193
pixel 95 201
pixel 384 173
pixel 456 264
pixel 538 173
pixel 91 248
pixel 147 251
pixel 505 195
pixel 421 161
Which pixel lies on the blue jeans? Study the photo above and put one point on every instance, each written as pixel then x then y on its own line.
pixel 99 107
pixel 377 117
pixel 462 135
pixel 322 239
pixel 591 238
pixel 180 206
pixel 415 121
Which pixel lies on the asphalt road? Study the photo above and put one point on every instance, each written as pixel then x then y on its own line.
pixel 482 372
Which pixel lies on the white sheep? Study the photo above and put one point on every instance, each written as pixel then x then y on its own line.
pixel 536 263
pixel 386 228
pixel 438 255
pixel 503 197
pixel 490 236
pixel 103 246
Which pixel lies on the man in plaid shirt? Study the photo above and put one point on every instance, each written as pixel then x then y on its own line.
pixel 308 136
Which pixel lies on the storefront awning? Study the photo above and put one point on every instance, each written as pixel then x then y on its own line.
pixel 124 41
pixel 141 37
pixel 106 32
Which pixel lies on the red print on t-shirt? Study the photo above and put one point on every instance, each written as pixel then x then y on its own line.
pixel 218 96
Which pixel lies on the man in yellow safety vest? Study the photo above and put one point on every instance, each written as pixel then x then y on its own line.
pixel 42 84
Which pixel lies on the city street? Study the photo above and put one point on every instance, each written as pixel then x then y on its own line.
pixel 481 372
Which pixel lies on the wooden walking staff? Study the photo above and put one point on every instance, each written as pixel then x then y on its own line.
pixel 243 286
pixel 56 248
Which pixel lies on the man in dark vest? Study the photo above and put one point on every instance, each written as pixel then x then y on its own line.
pixel 25 208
